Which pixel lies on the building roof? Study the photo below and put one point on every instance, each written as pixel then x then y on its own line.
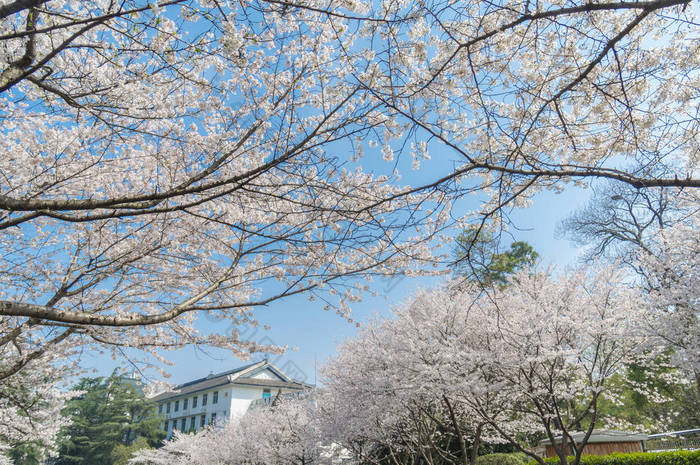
pixel 603 435
pixel 239 376
pixel 217 375
pixel 686 432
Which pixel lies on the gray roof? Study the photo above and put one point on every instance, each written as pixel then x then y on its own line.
pixel 603 435
pixel 232 377
pixel 218 375
pixel 269 383
pixel 190 388
pixel 690 432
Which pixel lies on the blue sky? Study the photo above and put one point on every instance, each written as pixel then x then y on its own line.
pixel 314 334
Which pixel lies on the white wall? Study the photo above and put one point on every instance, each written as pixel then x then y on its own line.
pixel 265 374
pixel 222 408
pixel 241 397
pixel 233 402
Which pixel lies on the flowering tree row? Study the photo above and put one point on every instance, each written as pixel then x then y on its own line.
pixel 531 361
pixel 458 366
pixel 284 435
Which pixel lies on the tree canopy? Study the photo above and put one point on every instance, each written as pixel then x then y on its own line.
pixel 526 361
pixel 30 412
pixel 108 413
pixel 477 259
pixel 161 161
pixel 653 233
pixel 538 358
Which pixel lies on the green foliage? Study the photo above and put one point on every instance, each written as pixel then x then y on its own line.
pixel 499 459
pixel 680 457
pixel 476 257
pixel 679 410
pixel 121 454
pixel 524 458
pixel 112 411
pixel 486 448
pixel 520 255
pixel 26 453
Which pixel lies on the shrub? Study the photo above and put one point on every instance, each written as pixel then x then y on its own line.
pixel 499 459
pixel 679 457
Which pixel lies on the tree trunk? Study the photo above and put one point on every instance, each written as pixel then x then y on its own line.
pixel 476 443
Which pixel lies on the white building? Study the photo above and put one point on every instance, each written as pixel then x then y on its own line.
pixel 223 396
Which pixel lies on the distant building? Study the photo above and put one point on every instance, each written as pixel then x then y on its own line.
pixel 602 442
pixel 688 439
pixel 222 396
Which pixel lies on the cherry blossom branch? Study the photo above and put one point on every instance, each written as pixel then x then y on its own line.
pixel 16 6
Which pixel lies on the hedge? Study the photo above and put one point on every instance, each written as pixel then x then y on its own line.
pixel 499 459
pixel 679 457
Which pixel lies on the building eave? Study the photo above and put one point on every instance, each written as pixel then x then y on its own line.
pixel 233 378
pixel 602 436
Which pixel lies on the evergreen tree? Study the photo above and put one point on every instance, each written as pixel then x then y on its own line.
pixel 477 259
pixel 112 411
pixel 122 453
pixel 26 453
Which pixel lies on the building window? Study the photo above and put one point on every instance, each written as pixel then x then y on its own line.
pixel 183 424
pixel 213 418
pixel 167 408
pixel 177 405
pixel 204 399
pixel 194 401
pixel 174 425
pixel 193 423
pixel 166 426
pixel 224 413
pixel 160 408
pixel 215 397
pixel 184 404
pixel 266 394
pixel 203 421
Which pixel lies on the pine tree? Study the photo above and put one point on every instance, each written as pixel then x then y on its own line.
pixel 476 258
pixel 111 411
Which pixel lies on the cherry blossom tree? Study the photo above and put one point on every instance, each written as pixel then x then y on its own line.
pixel 30 409
pixel 530 94
pixel 675 292
pixel 651 232
pixel 161 161
pixel 393 394
pixel 165 160
pixel 533 359
pixel 285 434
